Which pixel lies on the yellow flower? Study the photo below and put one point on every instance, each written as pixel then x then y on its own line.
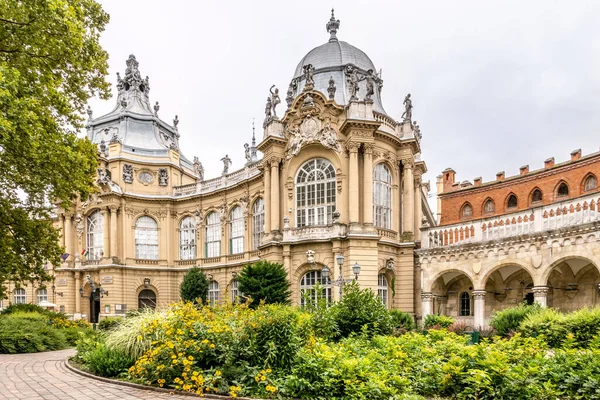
pixel 212 345
pixel 218 373
pixel 262 378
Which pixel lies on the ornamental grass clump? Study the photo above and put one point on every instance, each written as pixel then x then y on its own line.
pixel 130 337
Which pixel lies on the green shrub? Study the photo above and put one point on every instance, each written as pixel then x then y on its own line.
pixel 194 286
pixel 437 321
pixel 361 310
pixel 508 321
pixel 584 324
pixel 265 282
pixel 102 361
pixel 402 321
pixel 109 323
pixel 25 307
pixel 547 323
pixel 21 335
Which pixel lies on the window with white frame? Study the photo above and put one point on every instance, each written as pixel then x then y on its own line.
pixel 235 291
pixel 315 193
pixel 146 238
pixel 382 196
pixel 465 304
pixel 307 288
pixel 382 289
pixel 95 235
pixel 213 235
pixel 236 231
pixel 213 293
pixel 42 295
pixel 187 239
pixel 20 296
pixel 258 222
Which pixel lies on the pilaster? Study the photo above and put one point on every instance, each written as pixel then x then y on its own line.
pixel 368 186
pixel 353 193
pixel 409 200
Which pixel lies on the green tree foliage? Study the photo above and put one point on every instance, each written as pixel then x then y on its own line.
pixel 51 63
pixel 266 282
pixel 194 286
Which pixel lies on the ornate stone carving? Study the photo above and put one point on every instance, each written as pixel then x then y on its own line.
pixel 146 177
pixel 310 257
pixel 479 294
pixel 331 88
pixel 335 217
pixel 310 131
pixel 115 136
pixel 309 82
pixel 289 98
pixel 286 222
pixel 102 147
pixel 127 173
pixel 163 177
pixel 352 79
pixel 198 169
pixel 407 114
pixel 370 78
pixel 352 147
pixel 156 108
pixel 332 26
pixel 368 148
pixel 290 187
pixel 226 164
pixel 93 199
pixel 427 297
pixel 132 74
pixel 103 176
pixel 79 225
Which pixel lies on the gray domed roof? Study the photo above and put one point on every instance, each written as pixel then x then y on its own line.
pixel 334 54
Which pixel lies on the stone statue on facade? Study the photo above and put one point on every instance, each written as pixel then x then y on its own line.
pixel 176 121
pixel 156 108
pixel 120 83
pixel 132 74
pixel 103 176
pixel 352 79
pixel 247 152
pixel 289 98
pixel 309 81
pixel 274 99
pixel 89 112
pixel 370 78
pixel 226 164
pixel 102 147
pixel 146 85
pixel 407 115
pixel 127 173
pixel 268 110
pixel 331 88
pixel 163 177
pixel 310 257
pixel 198 169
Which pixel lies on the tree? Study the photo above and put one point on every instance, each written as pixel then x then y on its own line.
pixel 194 286
pixel 265 281
pixel 51 63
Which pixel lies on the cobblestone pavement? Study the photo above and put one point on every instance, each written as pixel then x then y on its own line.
pixel 44 376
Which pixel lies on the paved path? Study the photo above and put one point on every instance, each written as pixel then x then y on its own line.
pixel 44 376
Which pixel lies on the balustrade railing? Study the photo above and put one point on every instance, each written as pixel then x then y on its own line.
pixel 564 214
pixel 210 185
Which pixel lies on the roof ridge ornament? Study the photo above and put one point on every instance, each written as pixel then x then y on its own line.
pixel 332 27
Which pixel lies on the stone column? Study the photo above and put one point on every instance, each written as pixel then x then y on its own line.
pixel 353 204
pixel 418 208
pixel 267 180
pixel 105 233
pixel 69 235
pixel 540 295
pixel 77 294
pixel 275 194
pixel 426 305
pixel 113 231
pixel 479 308
pixel 368 185
pixel 409 199
pixel 62 231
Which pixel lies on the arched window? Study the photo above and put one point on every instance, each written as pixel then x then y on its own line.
pixel 236 231
pixel 382 196
pixel 489 206
pixel 307 288
pixel 147 299
pixel 213 235
pixel 591 183
pixel 467 211
pixel 512 201
pixel 42 295
pixel 20 296
pixel 95 235
pixel 146 238
pixel 536 196
pixel 563 190
pixel 315 193
pixel 235 291
pixel 382 289
pixel 465 304
pixel 213 293
pixel 187 239
pixel 258 222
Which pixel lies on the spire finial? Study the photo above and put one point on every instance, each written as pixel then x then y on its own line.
pixel 253 135
pixel 332 27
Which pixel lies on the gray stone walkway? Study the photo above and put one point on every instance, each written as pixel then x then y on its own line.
pixel 44 376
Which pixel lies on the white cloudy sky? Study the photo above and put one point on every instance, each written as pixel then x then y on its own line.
pixel 495 84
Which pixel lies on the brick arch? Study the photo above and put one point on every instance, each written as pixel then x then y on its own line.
pixel 532 191
pixel 307 267
pixel 584 180
pixel 483 212
pixel 586 256
pixel 507 198
pixel 462 210
pixel 482 281
pixel 428 282
pixel 558 184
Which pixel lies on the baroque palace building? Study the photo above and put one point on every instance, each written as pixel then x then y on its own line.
pixel 338 175
pixel 531 237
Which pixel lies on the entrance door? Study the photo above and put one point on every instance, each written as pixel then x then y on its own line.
pixel 529 298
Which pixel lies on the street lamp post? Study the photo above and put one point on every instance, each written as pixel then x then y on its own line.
pixel 340 279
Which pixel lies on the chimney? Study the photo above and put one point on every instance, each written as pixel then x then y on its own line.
pixel 477 181
pixel 549 163
pixel 448 179
pixel 500 176
pixel 524 170
pixel 575 155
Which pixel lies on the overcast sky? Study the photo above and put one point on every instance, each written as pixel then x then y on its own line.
pixel 495 84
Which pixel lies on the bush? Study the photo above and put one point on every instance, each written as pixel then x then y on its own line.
pixel 402 321
pixel 508 321
pixel 547 323
pixel 361 310
pixel 127 337
pixel 26 307
pixel 24 335
pixel 100 360
pixel 265 282
pixel 194 286
pixel 437 321
pixel 109 323
pixel 584 324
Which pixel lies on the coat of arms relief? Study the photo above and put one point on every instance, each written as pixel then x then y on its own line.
pixel 311 130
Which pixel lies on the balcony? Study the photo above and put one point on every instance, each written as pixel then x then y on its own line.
pixel 210 185
pixel 324 232
pixel 568 213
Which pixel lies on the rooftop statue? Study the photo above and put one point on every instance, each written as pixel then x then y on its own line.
pixel 268 110
pixel 352 79
pixel 247 152
pixel 274 99
pixel 226 164
pixel 289 99
pixel 132 74
pixel 370 78
pixel 309 72
pixel 407 115
pixel 331 88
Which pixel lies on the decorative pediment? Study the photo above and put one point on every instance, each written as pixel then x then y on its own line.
pixel 311 130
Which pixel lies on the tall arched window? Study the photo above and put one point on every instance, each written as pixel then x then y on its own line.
pixel 465 304
pixel 213 293
pixel 235 291
pixel 488 207
pixel 20 296
pixel 95 235
pixel 563 190
pixel 382 289
pixel 382 196
pixel 147 299
pixel 187 239
pixel 512 201
pixel 536 196
pixel 146 238
pixel 591 183
pixel 467 211
pixel 307 288
pixel 258 222
pixel 213 235
pixel 236 231
pixel 42 295
pixel 315 193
